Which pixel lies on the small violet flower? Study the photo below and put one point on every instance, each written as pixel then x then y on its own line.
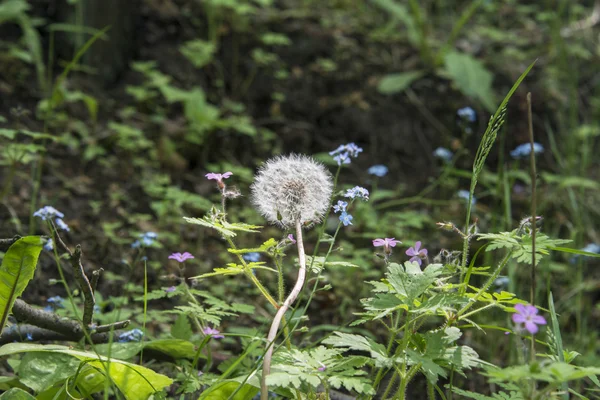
pixel 387 244
pixel 467 113
pixel 219 178
pixel 357 192
pixel 346 218
pixel 215 333
pixel 48 212
pixel 527 315
pixel 170 289
pixel 291 238
pixel 378 170
pixel 443 153
pixel 340 206
pixel 134 335
pixel 416 253
pixel 29 336
pixel 252 257
pixel 180 257
pixel 524 150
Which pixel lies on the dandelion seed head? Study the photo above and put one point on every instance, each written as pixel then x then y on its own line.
pixel 292 188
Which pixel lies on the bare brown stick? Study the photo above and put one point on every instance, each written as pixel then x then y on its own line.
pixel 95 278
pixel 84 284
pixel 23 312
pixel 281 312
pixel 5 243
pixel 25 332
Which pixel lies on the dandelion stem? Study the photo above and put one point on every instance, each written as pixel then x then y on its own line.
pixel 281 312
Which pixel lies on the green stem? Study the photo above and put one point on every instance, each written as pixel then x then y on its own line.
pixel 380 373
pixel 486 286
pixel 9 180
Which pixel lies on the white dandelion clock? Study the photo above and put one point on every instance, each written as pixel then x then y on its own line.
pixel 293 188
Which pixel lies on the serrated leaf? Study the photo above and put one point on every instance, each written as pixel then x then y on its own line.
pixel 360 343
pixel 182 329
pixel 409 281
pixel 209 224
pixel 17 269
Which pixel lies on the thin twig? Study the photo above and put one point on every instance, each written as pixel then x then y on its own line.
pixel 5 243
pixel 533 212
pixel 25 332
pixel 95 278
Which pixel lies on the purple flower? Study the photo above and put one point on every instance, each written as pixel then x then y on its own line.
pixel 343 158
pixel 48 212
pixel 170 289
pixel 181 257
pixel 357 192
pixel 291 238
pixel 215 333
pixel 134 335
pixel 346 218
pixel 218 177
pixel 323 367
pixel 340 206
pixel 416 253
pixel 527 315
pixel 387 244
pixel 378 170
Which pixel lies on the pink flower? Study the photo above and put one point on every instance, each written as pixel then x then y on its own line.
pixel 527 315
pixel 215 333
pixel 219 178
pixel 387 244
pixel 291 238
pixel 416 253
pixel 181 257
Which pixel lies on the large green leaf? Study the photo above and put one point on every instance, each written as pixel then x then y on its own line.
pixel 224 390
pixel 16 271
pixel 16 394
pixel 471 78
pixel 134 381
pixel 40 371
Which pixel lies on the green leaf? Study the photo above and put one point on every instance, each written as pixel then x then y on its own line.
pixel 176 348
pixel 210 224
pixel 471 78
pixel 360 343
pixel 18 267
pixel 409 281
pixel 574 251
pixel 182 329
pixel 199 52
pixel 134 381
pixel 318 263
pixel 16 394
pixel 223 390
pixel 40 371
pixel 397 83
pixel 557 341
